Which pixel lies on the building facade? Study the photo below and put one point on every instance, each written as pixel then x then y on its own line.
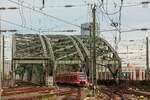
pixel 132 72
pixel 129 72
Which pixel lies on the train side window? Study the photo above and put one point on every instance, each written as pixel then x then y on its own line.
pixel 69 77
pixel 65 78
pixel 74 78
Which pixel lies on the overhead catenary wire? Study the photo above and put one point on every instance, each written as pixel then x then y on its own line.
pixel 22 26
pixel 128 4
pixel 31 15
pixel 124 31
pixel 109 18
pixel 117 26
pixel 33 29
pixel 23 15
pixel 20 13
pixel 48 6
pixel 133 29
pixel 102 30
pixel 67 6
pixel 106 10
pixel 50 16
pixel 119 11
pixel 121 6
pixel 46 14
pixel 23 19
pixel 101 9
pixel 131 5
pixel 86 2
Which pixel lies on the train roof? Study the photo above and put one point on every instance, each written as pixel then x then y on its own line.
pixel 72 73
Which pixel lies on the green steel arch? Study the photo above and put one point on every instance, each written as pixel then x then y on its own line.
pixel 57 53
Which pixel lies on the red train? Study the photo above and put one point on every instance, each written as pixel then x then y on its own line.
pixel 78 78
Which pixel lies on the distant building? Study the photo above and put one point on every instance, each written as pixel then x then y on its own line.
pixel 129 72
pixel 87 27
pixel 132 72
pixel 103 74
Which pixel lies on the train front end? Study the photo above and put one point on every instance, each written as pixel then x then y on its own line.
pixel 82 78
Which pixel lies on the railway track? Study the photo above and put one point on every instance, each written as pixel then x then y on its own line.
pixel 30 91
pixel 138 93
pixel 114 94
pixel 120 93
pixel 109 93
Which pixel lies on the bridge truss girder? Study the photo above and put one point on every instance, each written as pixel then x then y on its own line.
pixel 59 50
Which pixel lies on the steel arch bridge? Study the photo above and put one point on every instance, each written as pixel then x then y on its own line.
pixel 57 53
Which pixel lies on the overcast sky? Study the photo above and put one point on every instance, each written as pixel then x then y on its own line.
pixel 132 17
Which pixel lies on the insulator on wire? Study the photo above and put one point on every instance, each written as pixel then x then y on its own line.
pixel 43 4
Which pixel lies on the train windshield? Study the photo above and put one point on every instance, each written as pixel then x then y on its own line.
pixel 82 76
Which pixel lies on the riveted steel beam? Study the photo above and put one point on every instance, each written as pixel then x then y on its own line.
pixel 43 45
pixel 67 55
pixel 113 64
pixel 30 61
pixel 69 62
pixel 77 48
pixel 60 49
pixel 50 48
pixel 83 46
